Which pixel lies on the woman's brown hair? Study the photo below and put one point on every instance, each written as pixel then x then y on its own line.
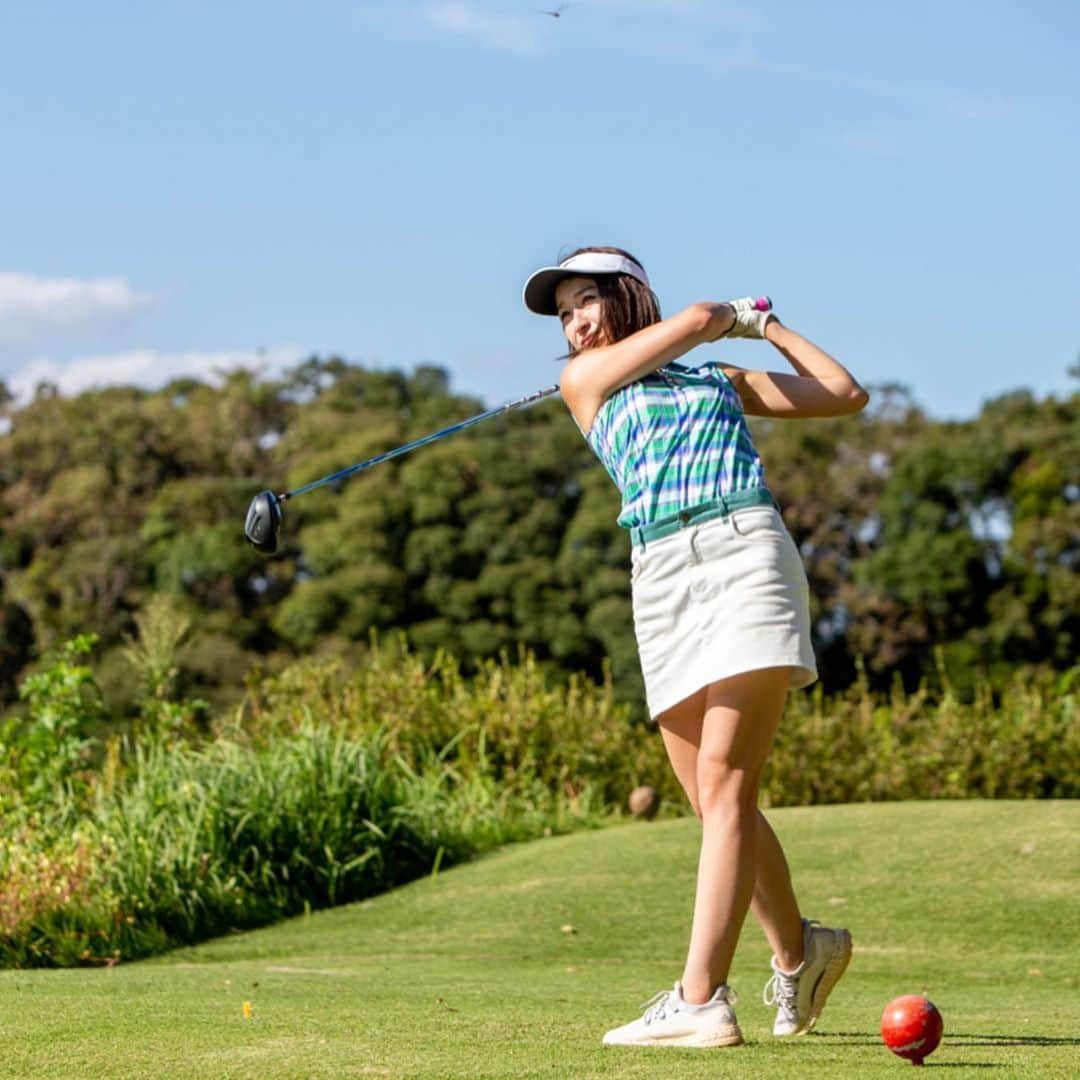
pixel 629 305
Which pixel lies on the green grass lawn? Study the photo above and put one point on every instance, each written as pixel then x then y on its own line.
pixel 516 964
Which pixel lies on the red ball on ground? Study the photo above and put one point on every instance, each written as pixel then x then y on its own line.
pixel 911 1027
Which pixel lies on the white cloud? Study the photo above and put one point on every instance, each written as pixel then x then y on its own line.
pixel 508 33
pixel 34 309
pixel 147 368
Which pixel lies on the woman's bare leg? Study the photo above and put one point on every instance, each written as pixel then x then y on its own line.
pixel 717 742
pixel 774 904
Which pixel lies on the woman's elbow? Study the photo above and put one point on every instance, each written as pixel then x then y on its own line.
pixel 858 398
pixel 847 400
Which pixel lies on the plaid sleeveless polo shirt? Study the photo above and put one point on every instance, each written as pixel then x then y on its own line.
pixel 673 440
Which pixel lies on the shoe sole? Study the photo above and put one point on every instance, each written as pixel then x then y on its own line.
pixel 834 968
pixel 701 1042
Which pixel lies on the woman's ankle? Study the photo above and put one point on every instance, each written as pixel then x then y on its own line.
pixel 698 991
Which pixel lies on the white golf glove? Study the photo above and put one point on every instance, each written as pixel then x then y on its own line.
pixel 749 322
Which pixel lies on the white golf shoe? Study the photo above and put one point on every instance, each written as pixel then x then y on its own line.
pixel 670 1021
pixel 800 995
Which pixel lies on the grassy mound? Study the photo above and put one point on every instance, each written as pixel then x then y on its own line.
pixel 514 965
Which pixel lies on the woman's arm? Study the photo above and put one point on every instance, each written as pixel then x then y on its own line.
pixel 821 388
pixel 592 376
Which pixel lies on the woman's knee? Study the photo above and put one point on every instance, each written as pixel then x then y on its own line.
pixel 722 787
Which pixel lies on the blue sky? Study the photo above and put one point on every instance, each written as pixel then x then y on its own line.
pixel 190 186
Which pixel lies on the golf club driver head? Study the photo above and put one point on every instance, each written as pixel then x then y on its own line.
pixel 263 522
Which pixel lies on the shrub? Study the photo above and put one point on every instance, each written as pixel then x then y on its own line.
pixel 327 784
pixel 861 747
pixel 48 754
pixel 511 721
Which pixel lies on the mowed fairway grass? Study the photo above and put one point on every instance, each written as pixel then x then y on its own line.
pixel 516 964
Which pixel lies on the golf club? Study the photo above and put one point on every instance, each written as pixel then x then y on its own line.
pixel 263 524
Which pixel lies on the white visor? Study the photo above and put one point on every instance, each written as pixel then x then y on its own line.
pixel 539 291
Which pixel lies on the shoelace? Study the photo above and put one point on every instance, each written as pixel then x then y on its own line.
pixel 781 990
pixel 656 1008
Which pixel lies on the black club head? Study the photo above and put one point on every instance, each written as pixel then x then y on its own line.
pixel 263 522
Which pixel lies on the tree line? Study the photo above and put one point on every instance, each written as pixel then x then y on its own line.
pixel 928 544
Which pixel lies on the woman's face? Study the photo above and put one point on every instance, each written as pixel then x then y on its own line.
pixel 579 306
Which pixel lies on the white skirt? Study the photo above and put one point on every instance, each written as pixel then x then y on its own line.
pixel 717 599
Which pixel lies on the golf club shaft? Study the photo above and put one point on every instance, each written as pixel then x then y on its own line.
pixel 519 404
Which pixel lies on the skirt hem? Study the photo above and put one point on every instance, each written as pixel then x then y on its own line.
pixel 802 676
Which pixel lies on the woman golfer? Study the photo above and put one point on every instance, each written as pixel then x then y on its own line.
pixel 721 603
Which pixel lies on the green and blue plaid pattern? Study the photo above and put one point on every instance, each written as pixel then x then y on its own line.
pixel 673 440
